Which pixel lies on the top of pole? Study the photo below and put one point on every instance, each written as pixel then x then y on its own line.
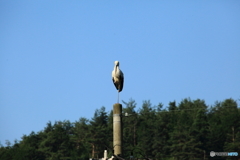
pixel 117 108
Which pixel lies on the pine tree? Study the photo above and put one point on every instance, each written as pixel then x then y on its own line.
pixel 146 129
pixel 199 132
pixel 130 122
pixel 80 138
pixel 56 143
pixel 161 136
pixel 98 135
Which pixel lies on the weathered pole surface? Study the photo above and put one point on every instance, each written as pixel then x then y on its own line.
pixel 117 129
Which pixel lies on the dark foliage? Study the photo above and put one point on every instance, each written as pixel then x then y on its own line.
pixel 189 130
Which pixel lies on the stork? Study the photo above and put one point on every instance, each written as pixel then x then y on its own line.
pixel 118 78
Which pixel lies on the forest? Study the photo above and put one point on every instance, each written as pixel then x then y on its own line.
pixel 188 130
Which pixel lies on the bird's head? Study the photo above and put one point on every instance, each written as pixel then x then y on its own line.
pixel 116 63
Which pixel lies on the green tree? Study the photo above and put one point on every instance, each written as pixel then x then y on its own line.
pixel 161 133
pixel 189 130
pixel 180 138
pixel 188 136
pixel 231 124
pixel 146 129
pixel 80 138
pixel 98 135
pixel 130 121
pixel 223 118
pixel 56 143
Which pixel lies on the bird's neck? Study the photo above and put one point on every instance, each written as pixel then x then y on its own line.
pixel 116 68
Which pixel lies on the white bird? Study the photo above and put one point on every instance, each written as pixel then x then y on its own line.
pixel 117 77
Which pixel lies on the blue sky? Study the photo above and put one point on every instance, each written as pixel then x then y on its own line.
pixel 56 57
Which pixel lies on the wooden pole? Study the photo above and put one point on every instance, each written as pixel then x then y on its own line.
pixel 117 129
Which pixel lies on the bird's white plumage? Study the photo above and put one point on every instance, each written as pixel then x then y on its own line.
pixel 117 77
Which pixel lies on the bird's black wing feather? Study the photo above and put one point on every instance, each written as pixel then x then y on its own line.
pixel 115 83
pixel 122 82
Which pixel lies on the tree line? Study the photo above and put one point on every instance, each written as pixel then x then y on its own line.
pixel 185 131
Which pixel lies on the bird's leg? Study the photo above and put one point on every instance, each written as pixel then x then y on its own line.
pixel 118 97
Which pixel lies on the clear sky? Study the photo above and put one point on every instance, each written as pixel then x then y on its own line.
pixel 56 57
